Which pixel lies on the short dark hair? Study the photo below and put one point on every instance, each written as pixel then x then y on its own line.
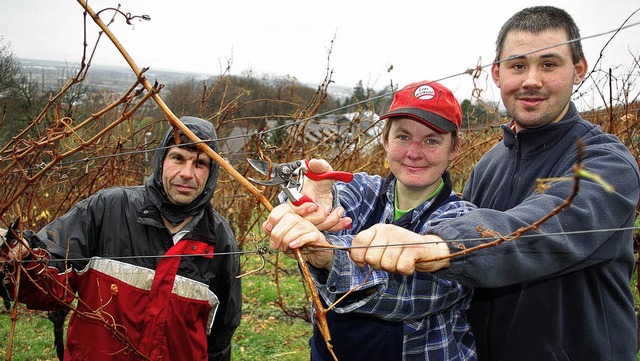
pixel 537 19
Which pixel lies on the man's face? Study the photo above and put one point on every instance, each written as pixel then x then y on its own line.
pixel 536 88
pixel 417 155
pixel 184 174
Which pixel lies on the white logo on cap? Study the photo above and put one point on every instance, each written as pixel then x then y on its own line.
pixel 424 92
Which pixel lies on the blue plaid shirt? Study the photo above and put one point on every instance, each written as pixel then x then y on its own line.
pixel 433 310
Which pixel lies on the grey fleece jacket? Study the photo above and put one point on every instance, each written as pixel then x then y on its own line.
pixel 561 293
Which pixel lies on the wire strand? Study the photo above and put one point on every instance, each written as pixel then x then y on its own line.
pixel 311 249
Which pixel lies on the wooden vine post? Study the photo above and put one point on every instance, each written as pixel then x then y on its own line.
pixel 320 311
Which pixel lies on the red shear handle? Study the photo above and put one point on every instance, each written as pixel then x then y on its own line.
pixel 302 200
pixel 336 175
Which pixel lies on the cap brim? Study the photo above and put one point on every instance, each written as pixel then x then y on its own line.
pixel 435 121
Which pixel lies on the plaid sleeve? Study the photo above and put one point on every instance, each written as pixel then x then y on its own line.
pixel 392 296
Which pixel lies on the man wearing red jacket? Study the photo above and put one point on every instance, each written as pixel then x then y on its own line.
pixel 142 264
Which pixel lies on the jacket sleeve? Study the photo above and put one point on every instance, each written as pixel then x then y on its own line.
pixel 391 296
pixel 42 287
pixel 50 283
pixel 228 288
pixel 594 229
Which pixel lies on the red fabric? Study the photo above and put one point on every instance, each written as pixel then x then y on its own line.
pixel 115 315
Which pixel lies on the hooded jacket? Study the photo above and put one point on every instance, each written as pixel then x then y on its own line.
pixel 561 293
pixel 138 294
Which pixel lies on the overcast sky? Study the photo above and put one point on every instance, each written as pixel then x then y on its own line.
pixel 421 39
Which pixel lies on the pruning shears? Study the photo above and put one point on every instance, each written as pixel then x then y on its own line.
pixel 290 177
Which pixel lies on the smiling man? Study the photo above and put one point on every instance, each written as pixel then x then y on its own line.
pixel 536 85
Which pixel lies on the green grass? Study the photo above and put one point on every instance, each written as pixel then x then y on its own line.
pixel 33 336
pixel 266 332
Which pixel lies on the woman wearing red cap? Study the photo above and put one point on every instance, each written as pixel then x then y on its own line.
pixel 390 316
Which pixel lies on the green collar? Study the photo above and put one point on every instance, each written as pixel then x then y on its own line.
pixel 398 213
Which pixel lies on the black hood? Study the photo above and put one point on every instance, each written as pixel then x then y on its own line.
pixel 175 213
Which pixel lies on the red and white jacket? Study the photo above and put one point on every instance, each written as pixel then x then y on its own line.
pixel 138 295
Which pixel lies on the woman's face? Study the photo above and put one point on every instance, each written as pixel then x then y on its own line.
pixel 417 155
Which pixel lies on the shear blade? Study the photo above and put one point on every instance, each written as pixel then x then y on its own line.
pixel 260 165
pixel 270 182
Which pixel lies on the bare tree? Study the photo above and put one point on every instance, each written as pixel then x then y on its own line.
pixel 9 67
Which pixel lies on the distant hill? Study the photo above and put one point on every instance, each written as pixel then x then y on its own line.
pixel 119 78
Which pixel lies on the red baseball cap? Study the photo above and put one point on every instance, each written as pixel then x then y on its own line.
pixel 428 102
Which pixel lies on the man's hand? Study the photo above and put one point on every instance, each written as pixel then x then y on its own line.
pixel 10 250
pixel 395 249
pixel 288 230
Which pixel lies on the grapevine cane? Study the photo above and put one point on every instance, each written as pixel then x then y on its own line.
pixel 320 314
